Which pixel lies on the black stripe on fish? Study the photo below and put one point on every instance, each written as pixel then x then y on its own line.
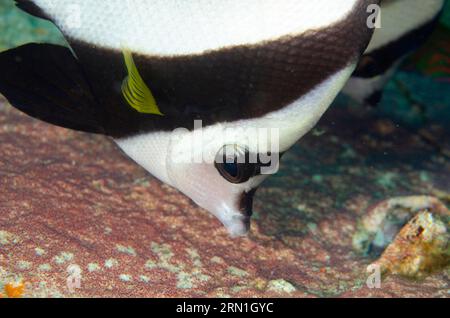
pixel 230 84
pixel 241 82
pixel 382 59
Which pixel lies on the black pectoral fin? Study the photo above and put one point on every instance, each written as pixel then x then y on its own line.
pixel 46 82
pixel 31 8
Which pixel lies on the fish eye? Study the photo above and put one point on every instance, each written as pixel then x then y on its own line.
pixel 233 164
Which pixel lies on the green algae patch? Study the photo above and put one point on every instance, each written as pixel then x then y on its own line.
pixel 281 286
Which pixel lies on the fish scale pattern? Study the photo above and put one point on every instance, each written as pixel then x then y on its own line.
pixel 226 84
pixel 254 80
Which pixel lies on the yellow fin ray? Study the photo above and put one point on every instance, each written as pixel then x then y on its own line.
pixel 136 92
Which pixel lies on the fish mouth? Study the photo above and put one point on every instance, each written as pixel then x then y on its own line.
pixel 238 226
pixel 246 203
pixel 239 223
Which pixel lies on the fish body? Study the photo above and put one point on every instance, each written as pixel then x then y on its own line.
pixel 150 73
pixel 405 26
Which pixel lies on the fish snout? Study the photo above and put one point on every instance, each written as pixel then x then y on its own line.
pixel 237 225
pixel 237 219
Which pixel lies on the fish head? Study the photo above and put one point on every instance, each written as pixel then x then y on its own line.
pixel 220 166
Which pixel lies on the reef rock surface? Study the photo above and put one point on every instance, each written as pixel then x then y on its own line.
pixel 73 206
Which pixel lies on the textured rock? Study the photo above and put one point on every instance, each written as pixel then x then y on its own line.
pixel 72 203
pixel 380 225
pixel 421 247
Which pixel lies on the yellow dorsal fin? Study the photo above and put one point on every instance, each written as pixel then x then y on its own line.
pixel 135 91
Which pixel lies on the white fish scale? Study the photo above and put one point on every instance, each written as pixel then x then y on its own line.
pixel 176 27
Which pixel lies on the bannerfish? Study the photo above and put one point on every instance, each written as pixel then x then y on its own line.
pixel 204 94
pixel 405 25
